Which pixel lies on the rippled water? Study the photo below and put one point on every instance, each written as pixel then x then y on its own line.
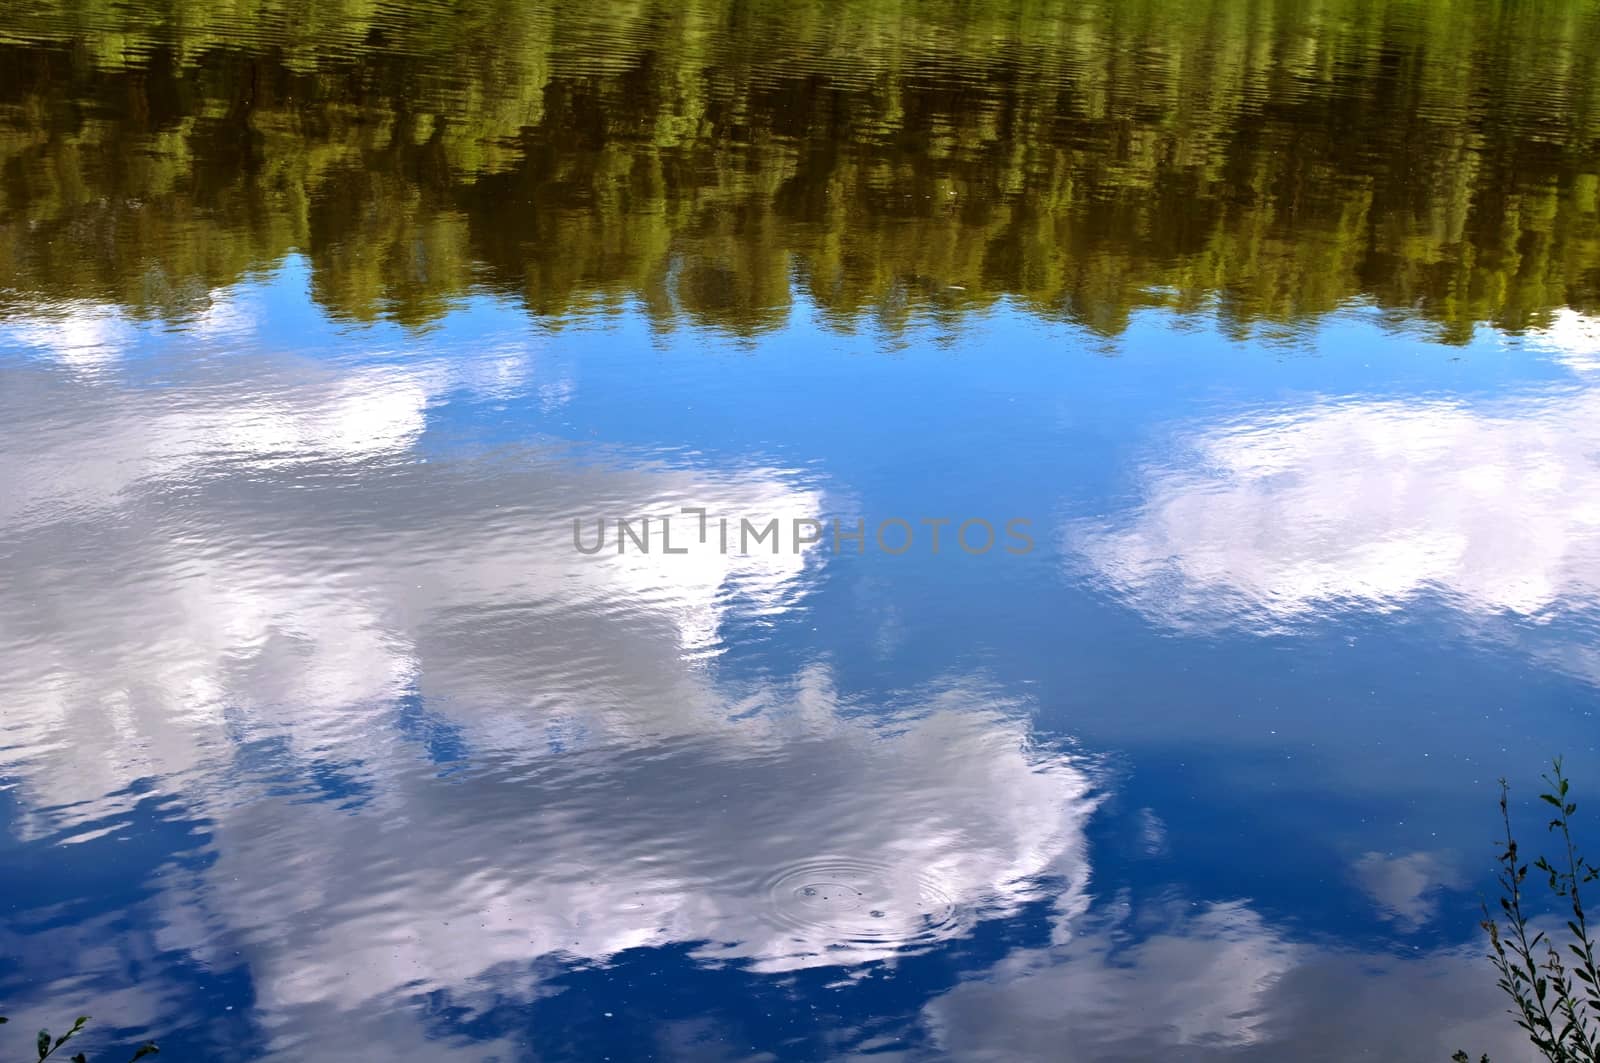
pixel 332 336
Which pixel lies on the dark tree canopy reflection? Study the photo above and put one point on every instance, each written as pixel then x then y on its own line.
pixel 713 159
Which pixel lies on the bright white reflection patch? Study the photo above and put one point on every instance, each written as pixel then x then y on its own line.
pixel 1573 337
pixel 79 334
pixel 776 844
pixel 1279 517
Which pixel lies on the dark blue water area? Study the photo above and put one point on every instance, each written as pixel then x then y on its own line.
pixel 93 892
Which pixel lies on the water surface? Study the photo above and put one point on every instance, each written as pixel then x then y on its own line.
pixel 320 324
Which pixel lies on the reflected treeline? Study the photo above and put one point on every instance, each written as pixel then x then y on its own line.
pixel 713 158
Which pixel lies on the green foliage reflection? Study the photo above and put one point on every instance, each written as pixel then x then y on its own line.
pixel 707 159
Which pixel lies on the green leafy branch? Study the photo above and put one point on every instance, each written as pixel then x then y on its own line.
pixel 1554 987
pixel 47 1046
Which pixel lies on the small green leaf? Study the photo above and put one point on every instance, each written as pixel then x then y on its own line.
pixel 44 1043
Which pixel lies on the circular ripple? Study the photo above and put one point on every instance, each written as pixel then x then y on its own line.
pixel 840 901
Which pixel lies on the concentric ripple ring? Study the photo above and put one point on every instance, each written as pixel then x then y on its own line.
pixel 843 901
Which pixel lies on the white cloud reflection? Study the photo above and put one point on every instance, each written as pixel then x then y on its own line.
pixel 258 588
pixel 1272 519
pixel 1217 982
pixel 714 840
pixel 1573 337
pixel 80 335
pixel 1405 888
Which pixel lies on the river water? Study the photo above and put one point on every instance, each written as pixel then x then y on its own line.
pixel 788 531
